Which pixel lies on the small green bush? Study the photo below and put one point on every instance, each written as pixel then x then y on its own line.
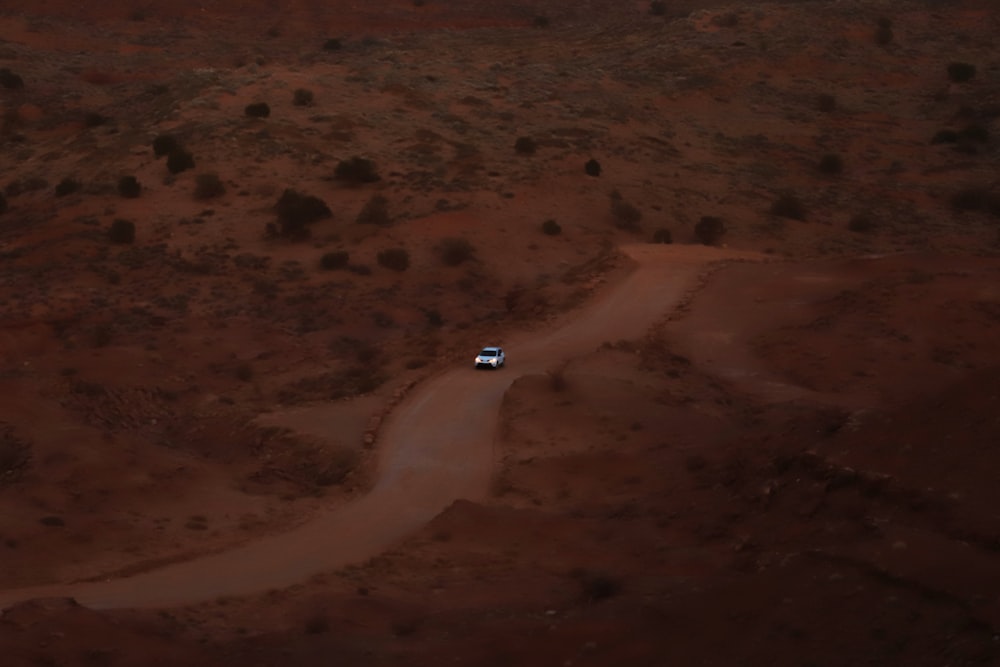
pixel 179 160
pixel 525 146
pixel 67 186
pixel 861 223
pixel 10 80
pixel 663 235
pixel 337 259
pixel 551 228
pixel 831 164
pixel 788 205
pixel 302 97
pixel 165 144
pixel 122 231
pixel 375 211
pixel 296 210
pixel 710 230
pixel 257 110
pixel 454 251
pixel 129 187
pixel 625 215
pixel 208 186
pixel 961 72
pixel 356 170
pixel 826 103
pixel 883 31
pixel 397 259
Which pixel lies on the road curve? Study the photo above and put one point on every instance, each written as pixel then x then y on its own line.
pixel 437 447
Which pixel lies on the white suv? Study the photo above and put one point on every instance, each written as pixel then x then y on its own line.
pixel 491 357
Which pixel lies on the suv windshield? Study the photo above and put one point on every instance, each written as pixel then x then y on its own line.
pixel 488 353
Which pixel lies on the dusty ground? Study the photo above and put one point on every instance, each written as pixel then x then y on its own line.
pixel 794 465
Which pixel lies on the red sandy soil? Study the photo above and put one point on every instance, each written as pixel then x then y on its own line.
pixel 779 450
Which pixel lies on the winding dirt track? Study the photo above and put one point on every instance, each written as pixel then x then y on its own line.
pixel 438 448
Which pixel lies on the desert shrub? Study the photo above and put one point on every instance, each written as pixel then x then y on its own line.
pixel 15 453
pixel 592 168
pixel 945 137
pixel 974 133
pixel 831 164
pixel 303 97
pixel 337 259
pixel 208 186
pixel 551 227
pixel 357 170
pixel 658 7
pixel 67 186
pixel 3 204
pixel 883 31
pixel 961 72
pixel 624 214
pixel 826 103
pixel 122 231
pixel 93 119
pixel 726 20
pixel 10 80
pixel 165 144
pixel 397 259
pixel 257 110
pixel 332 44
pixel 375 211
pixel 597 586
pixel 129 187
pixel 663 235
pixel 454 251
pixel 296 211
pixel 179 160
pixel 541 21
pixel 976 199
pixel 787 205
pixel 861 223
pixel 710 230
pixel 525 146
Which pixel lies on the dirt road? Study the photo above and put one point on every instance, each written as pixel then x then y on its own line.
pixel 437 448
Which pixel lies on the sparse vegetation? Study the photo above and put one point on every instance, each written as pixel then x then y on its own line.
pixel 525 146
pixel 592 168
pixel 296 211
pixel 356 170
pixel 93 119
pixel 122 231
pixel 454 251
pixel 303 97
pixel 961 72
pixel 663 235
pixel 788 205
pixel 625 215
pixel 831 164
pixel 883 31
pixel 337 259
pixel 551 228
pixel 165 144
pixel 375 211
pixel 826 103
pixel 257 110
pixel 709 230
pixel 208 186
pixel 332 44
pixel 179 160
pixel 397 259
pixel 976 198
pixel 67 186
pixel 129 187
pixel 861 223
pixel 658 7
pixel 3 204
pixel 15 454
pixel 10 80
